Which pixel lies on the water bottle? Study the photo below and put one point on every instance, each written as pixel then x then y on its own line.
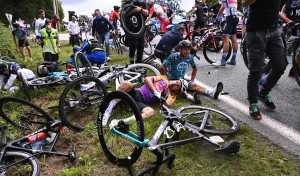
pixel 36 137
pixel 87 86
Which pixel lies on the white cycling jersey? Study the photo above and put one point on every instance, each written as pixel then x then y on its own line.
pixel 26 73
pixel 231 7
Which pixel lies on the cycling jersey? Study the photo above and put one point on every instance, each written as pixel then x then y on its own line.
pixel 114 16
pixel 21 34
pixel 160 83
pixel 94 52
pixel 231 7
pixel 26 74
pixel 158 9
pixel 177 66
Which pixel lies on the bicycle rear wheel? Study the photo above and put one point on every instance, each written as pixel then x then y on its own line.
pixel 119 150
pixel 296 66
pixel 11 166
pixel 219 123
pixel 83 65
pixel 45 81
pixel 79 102
pixel 147 47
pixel 213 49
pixel 23 114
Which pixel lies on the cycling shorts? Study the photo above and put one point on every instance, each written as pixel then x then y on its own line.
pixel 21 43
pixel 164 22
pixel 229 28
pixel 138 97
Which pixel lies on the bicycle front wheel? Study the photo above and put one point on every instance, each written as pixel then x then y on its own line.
pixel 19 163
pixel 23 114
pixel 219 123
pixel 124 117
pixel 213 49
pixel 79 102
pixel 147 47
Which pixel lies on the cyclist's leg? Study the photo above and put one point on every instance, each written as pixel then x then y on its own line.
pixel 21 48
pixel 233 39
pixel 28 48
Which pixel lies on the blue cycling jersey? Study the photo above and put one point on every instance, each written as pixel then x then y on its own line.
pixel 21 34
pixel 176 66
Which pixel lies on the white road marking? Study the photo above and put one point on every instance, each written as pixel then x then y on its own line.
pixel 281 128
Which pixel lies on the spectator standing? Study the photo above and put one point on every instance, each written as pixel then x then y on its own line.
pixel 101 27
pixel 215 10
pixel 40 23
pixel 170 12
pixel 21 23
pixel 50 38
pixel 22 38
pixel 54 21
pixel 33 24
pixel 137 44
pixel 74 31
pixel 229 30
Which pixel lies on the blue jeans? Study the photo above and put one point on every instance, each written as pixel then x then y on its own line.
pixel 101 38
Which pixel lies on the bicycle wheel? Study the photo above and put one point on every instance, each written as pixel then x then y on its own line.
pixel 10 54
pixel 19 163
pixel 134 23
pixel 213 49
pixel 83 65
pixel 144 69
pixel 219 123
pixel 147 47
pixel 45 81
pixel 79 102
pixel 6 59
pixel 23 114
pixel 120 151
pixel 296 66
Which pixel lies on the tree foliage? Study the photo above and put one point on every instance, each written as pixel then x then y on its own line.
pixel 28 9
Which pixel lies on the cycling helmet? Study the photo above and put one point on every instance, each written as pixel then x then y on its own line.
pixel 185 43
pixel 42 71
pixel 116 7
pixel 47 21
pixel 3 68
pixel 16 25
pixel 15 66
pixel 150 1
pixel 184 85
pixel 75 48
pixel 56 17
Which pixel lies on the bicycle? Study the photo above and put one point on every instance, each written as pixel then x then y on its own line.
pixel 18 157
pixel 115 44
pixel 150 32
pixel 123 138
pixel 296 57
pixel 6 54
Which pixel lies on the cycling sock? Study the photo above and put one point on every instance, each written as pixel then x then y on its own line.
pixel 210 92
pixel 111 105
pixel 190 97
pixel 224 56
pixel 233 56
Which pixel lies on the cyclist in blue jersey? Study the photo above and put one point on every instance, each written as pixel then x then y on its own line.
pixel 175 67
pixel 22 37
pixel 93 51
pixel 229 31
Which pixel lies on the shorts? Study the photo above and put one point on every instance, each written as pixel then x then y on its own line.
pixel 138 97
pixel 229 28
pixel 51 57
pixel 186 83
pixel 22 41
pixel 163 24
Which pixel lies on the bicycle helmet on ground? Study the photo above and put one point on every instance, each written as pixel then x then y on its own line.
pixel 185 43
pixel 15 66
pixel 16 25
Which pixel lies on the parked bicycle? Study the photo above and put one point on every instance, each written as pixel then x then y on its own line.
pixel 6 54
pixel 18 157
pixel 123 138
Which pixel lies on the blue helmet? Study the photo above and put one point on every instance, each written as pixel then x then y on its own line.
pixel 15 65
pixel 75 48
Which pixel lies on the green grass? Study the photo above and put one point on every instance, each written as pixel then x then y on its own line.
pixel 257 155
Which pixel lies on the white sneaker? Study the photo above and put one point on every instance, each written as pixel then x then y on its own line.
pixel 218 64
pixel 107 58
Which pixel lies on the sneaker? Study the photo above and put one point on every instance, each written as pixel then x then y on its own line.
pixel 107 58
pixel 254 111
pixel 30 59
pixel 219 64
pixel 218 90
pixel 196 96
pixel 232 62
pixel 267 101
pixel 131 60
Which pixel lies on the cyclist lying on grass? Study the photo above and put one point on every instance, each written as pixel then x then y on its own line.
pixel 175 67
pixel 147 94
pixel 7 75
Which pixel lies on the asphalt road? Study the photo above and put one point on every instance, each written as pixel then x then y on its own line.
pixel 281 126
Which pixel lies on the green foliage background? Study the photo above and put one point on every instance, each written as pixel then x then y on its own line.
pixel 28 9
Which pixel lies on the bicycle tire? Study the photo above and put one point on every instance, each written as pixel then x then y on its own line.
pixel 222 123
pixel 296 66
pixel 213 54
pixel 119 150
pixel 6 59
pixel 153 30
pixel 147 45
pixel 133 24
pixel 45 81
pixel 145 70
pixel 31 164
pixel 23 114
pixel 75 103
pixel 79 56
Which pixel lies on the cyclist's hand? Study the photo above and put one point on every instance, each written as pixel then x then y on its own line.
pixel 157 94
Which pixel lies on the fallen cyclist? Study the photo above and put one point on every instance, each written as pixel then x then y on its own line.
pixel 175 67
pixel 147 94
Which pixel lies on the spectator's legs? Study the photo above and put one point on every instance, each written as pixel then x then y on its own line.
pixel 107 35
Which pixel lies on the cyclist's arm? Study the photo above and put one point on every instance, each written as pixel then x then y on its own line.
pixel 149 82
pixel 221 10
pixel 170 100
pixel 283 9
pixel 246 3
pixel 149 18
pixel 193 11
pixel 10 81
pixel 163 70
